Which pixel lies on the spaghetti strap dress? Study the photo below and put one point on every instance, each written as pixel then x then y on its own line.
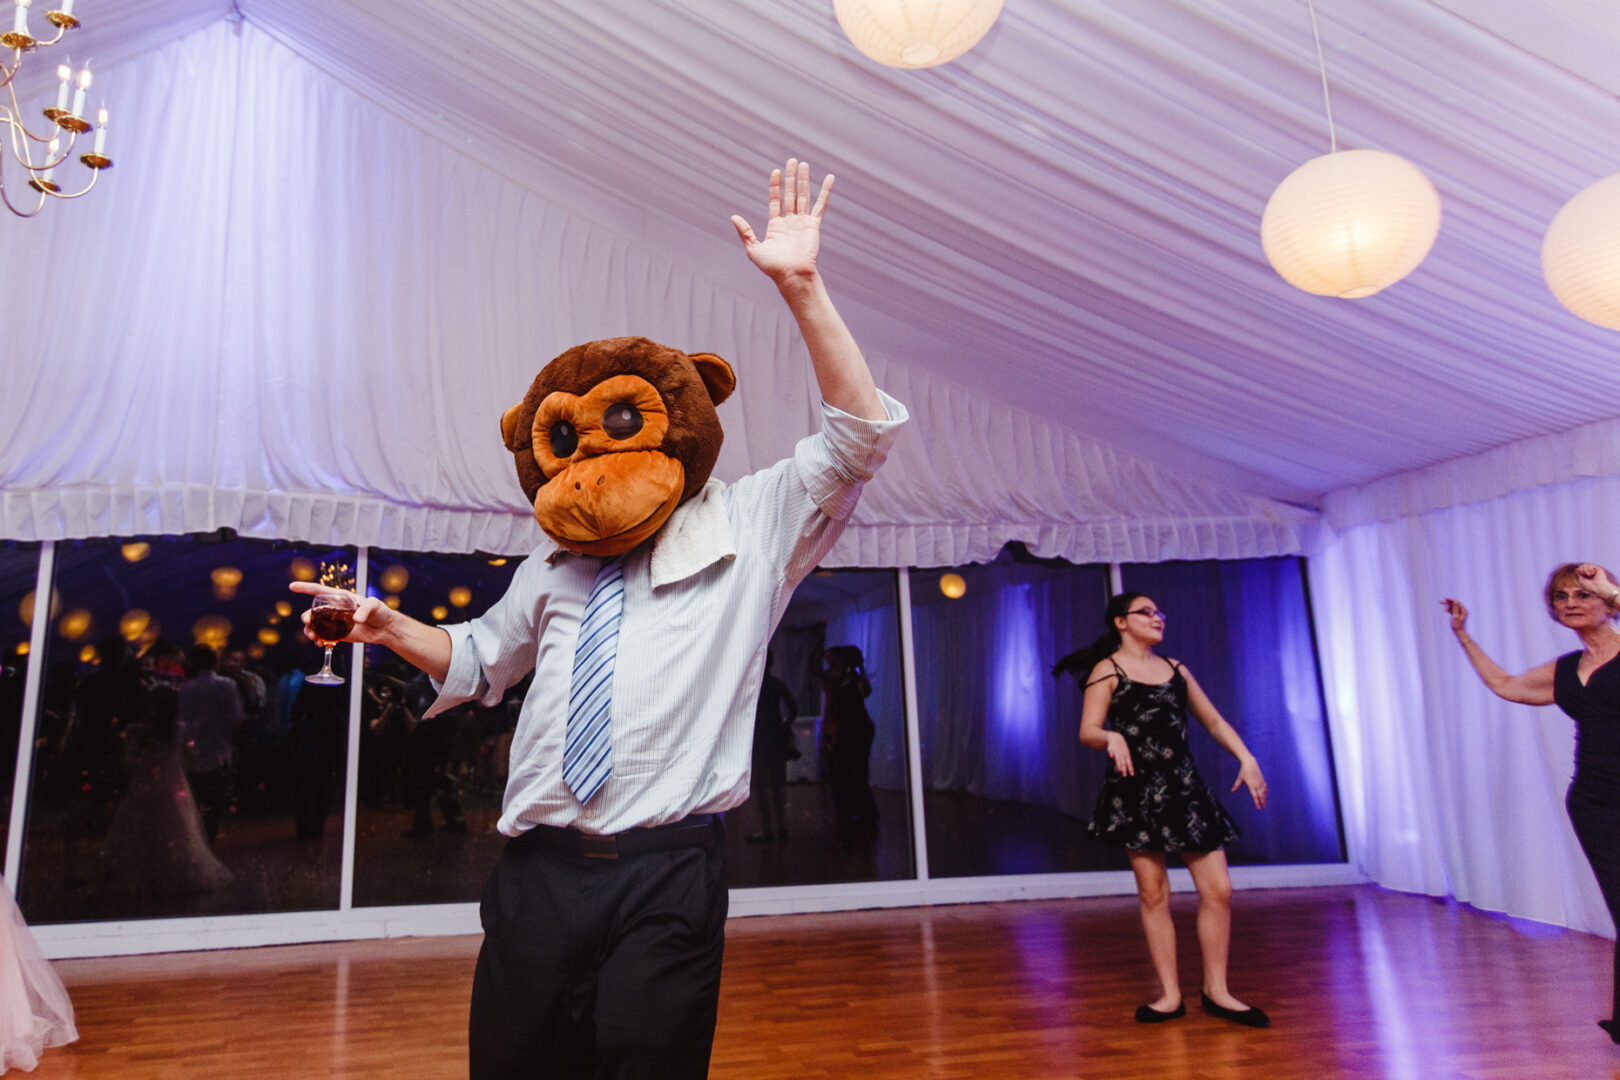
pixel 1165 806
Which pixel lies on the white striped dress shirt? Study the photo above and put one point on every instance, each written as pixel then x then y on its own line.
pixel 701 601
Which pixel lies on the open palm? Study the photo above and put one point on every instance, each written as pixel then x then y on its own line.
pixel 793 230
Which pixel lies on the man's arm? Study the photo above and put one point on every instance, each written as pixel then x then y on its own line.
pixel 787 255
pixel 427 647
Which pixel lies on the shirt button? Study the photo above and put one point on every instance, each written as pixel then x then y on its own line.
pixel 589 813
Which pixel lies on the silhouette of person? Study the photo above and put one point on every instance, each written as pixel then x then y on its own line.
pixel 773 749
pixel 156 845
pixel 210 713
pixel 847 732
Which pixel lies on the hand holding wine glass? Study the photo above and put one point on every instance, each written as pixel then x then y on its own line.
pixel 330 620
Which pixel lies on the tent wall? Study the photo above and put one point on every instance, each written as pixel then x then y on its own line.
pixel 1447 789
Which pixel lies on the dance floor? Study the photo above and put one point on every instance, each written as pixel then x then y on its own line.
pixel 1359 982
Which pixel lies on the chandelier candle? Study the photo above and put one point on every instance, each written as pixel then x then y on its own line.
pixel 78 95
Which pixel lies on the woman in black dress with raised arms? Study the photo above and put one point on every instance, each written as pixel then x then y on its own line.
pixel 1586 685
pixel 1153 801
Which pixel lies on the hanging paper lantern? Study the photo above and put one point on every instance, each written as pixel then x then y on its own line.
pixel 915 33
pixel 1580 255
pixel 394 579
pixel 134 624
pixel 1350 223
pixel 212 630
pixel 953 586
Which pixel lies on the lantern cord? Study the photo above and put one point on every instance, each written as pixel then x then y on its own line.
pixel 1321 63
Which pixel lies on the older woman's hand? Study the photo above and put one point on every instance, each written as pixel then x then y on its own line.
pixel 1599 582
pixel 1458 613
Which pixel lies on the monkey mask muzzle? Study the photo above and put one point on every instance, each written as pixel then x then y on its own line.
pixel 612 436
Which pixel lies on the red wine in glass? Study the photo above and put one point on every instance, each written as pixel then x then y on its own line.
pixel 331 619
pixel 331 624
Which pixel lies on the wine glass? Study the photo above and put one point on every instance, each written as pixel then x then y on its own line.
pixel 331 619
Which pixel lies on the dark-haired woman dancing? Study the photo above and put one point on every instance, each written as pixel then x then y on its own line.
pixel 1586 685
pixel 1154 802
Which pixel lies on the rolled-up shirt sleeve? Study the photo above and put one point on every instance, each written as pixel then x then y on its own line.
pixel 837 461
pixel 492 653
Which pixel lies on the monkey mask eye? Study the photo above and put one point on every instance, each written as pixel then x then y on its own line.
pixel 564 439
pixel 620 421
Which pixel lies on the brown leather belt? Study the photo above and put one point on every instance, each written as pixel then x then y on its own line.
pixel 694 831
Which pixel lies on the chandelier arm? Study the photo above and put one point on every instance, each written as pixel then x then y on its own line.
pixel 1321 64
pixel 95 174
pixel 5 197
pixel 19 149
pixel 11 72
pixel 18 125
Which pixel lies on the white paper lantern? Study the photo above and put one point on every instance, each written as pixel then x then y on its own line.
pixel 915 33
pixel 1350 223
pixel 1580 255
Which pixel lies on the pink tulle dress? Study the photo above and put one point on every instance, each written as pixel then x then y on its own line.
pixel 35 1012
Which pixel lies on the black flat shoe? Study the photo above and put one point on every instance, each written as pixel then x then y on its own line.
pixel 1147 1014
pixel 1250 1017
pixel 1611 1028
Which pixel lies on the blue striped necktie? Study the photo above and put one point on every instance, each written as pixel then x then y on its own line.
pixel 588 751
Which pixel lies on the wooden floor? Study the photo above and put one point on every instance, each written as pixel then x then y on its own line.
pixel 1360 983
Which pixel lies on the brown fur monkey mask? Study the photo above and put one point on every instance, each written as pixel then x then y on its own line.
pixel 612 436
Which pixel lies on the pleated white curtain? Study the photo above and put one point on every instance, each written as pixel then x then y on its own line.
pixel 292 313
pixel 1445 788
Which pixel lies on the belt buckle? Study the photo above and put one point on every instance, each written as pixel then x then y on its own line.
pixel 598 847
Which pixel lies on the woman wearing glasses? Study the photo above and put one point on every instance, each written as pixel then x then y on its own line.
pixel 1586 685
pixel 1154 802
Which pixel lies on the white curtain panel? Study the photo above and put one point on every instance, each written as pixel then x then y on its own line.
pixel 1446 788
pixel 292 313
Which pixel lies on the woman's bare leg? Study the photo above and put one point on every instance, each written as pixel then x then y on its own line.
pixel 1153 890
pixel 1214 884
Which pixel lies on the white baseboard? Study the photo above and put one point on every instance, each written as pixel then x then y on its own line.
pixel 139 936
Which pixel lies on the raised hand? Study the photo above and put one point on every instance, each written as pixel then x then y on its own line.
pixel 1458 613
pixel 1598 582
pixel 1249 773
pixel 792 228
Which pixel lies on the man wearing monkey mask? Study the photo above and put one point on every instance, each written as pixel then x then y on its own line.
pixel 645 621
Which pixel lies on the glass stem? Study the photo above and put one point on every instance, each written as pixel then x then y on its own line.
pixel 327 666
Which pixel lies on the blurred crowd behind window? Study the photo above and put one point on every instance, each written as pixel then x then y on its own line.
pixel 182 765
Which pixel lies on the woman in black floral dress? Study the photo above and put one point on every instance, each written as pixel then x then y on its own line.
pixel 1153 801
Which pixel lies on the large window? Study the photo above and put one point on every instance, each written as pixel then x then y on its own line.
pixel 430 790
pixel 1243 628
pixel 1008 787
pixel 19 567
pixel 829 800
pixel 181 767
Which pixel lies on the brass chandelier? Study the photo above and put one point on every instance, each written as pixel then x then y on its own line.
pixel 51 149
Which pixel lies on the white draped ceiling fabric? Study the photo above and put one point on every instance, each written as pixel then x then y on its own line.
pixel 342 236
pixel 298 316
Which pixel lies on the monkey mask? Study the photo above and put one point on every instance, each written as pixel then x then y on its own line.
pixel 612 436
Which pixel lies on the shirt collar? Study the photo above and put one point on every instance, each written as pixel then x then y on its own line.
pixel 696 536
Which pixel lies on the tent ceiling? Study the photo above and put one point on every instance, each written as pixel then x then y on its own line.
pixel 1066 219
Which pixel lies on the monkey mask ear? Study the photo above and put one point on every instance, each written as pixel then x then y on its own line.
pixel 509 427
pixel 717 376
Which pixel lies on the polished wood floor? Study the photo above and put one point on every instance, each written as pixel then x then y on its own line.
pixel 1360 983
